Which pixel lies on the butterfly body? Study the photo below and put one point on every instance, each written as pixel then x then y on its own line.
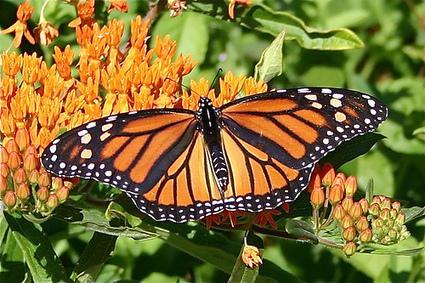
pixel 209 126
pixel 251 154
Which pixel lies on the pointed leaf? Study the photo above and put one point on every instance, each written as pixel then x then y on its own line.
pixel 264 19
pixel 352 149
pixel 413 213
pixel 39 255
pixel 271 61
pixel 96 253
pixel 241 272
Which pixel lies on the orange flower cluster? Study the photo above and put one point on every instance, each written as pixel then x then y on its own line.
pixel 360 222
pixel 38 102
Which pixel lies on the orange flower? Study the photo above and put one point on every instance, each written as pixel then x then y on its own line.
pixel 176 7
pixel 120 5
pixel 20 26
pixel 232 4
pixel 85 11
pixel 265 218
pixel 63 61
pixel 251 256
pixel 45 33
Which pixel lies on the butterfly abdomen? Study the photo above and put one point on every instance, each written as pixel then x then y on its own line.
pixel 219 166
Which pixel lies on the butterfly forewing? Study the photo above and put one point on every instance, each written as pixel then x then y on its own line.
pixel 131 151
pixel 299 126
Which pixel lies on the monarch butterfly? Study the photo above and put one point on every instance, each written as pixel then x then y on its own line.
pixel 251 154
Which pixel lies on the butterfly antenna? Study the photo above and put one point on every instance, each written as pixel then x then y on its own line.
pixel 183 85
pixel 219 71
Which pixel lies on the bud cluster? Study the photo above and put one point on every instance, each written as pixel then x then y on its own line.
pixel 360 222
pixel 387 221
pixel 24 184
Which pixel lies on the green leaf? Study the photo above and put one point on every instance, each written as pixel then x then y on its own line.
pixel 263 19
pixel 37 250
pixel 241 272
pixel 95 220
pixel 190 31
pixel 390 250
pixel 12 266
pixel 96 253
pixel 369 190
pixel 323 75
pixel 413 213
pixel 420 133
pixel 352 149
pixel 219 251
pixel 301 229
pixel 271 61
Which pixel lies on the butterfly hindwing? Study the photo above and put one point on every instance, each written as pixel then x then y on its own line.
pixel 300 126
pixel 187 191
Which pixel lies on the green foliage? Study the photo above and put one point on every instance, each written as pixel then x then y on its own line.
pixel 373 46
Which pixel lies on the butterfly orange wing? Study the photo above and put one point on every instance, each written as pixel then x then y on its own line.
pixel 300 126
pixel 131 151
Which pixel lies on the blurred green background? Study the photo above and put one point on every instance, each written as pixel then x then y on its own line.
pixel 391 66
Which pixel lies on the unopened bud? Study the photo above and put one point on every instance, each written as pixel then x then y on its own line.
pixel 63 194
pixel 374 209
pixel 347 203
pixel 346 221
pixel 356 211
pixel 315 181
pixel 11 146
pixel 317 197
pixel 396 205
pixel 4 170
pixel 393 213
pixel 57 183
pixel 20 176
pixel 339 212
pixel 44 179
pixel 70 185
pixel 4 155
pixel 3 185
pixel 401 217
pixel 43 194
pixel 14 160
pixel 33 176
pixel 22 138
pixel 30 150
pixel 31 162
pixel 365 236
pixel 349 233
pixel 9 199
pixel 362 223
pixel 378 222
pixel 386 203
pixel 336 193
pixel 350 186
pixel 364 204
pixel 339 180
pixel 328 174
pixel 384 214
pixel 349 248
pixel 23 192
pixel 376 199
pixel 52 201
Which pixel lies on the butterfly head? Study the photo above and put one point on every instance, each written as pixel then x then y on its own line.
pixel 204 102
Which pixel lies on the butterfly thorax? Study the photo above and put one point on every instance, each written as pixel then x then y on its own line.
pixel 209 126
